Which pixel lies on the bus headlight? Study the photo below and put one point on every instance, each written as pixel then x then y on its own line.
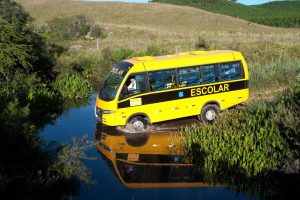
pixel 108 111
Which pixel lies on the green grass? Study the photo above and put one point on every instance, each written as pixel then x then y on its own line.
pixel 262 137
pixel 280 14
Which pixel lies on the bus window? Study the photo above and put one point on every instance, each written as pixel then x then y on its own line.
pixel 230 71
pixel 189 76
pixel 111 85
pixel 135 85
pixel 161 80
pixel 210 73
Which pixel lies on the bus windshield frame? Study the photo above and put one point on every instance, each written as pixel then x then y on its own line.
pixel 111 85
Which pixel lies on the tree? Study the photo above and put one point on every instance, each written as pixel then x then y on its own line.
pixel 12 54
pixel 13 13
pixel 25 47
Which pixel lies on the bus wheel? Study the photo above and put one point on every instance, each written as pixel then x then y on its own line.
pixel 209 113
pixel 138 123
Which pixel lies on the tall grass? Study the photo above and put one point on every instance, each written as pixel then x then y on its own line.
pixel 252 141
pixel 273 75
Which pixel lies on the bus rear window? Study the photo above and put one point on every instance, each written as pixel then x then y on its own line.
pixel 230 71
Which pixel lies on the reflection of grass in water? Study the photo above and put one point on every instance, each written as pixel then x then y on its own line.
pixel 176 142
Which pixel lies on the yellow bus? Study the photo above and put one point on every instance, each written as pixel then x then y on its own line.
pixel 144 90
pixel 150 161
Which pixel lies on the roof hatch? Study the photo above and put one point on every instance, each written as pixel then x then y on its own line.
pixel 143 58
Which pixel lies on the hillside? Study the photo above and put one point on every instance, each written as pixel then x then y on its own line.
pixel 137 25
pixel 292 6
pixel 138 15
pixel 280 14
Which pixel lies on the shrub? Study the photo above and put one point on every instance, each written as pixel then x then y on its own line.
pixel 74 27
pixel 202 44
pixel 262 137
pixel 97 32
pixel 157 50
pixel 122 54
pixel 71 86
pixel 78 63
pixel 79 26
pixel 245 142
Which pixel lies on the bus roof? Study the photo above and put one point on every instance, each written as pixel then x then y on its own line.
pixel 189 54
pixel 183 59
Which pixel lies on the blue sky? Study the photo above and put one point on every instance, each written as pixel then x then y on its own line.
pixel 251 2
pixel 247 2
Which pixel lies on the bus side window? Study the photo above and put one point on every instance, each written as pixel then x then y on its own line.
pixel 230 71
pixel 189 76
pixel 210 73
pixel 161 80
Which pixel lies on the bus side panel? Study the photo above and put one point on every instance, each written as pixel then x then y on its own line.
pixel 193 106
pixel 174 109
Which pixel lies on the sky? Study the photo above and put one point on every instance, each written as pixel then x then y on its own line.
pixel 246 2
pixel 251 2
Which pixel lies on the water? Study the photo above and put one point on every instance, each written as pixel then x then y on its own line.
pixel 138 167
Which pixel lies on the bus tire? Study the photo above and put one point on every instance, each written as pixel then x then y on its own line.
pixel 138 123
pixel 209 112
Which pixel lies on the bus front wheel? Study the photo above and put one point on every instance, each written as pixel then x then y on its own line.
pixel 138 123
pixel 209 113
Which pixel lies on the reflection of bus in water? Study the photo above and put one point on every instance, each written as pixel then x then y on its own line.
pixel 148 160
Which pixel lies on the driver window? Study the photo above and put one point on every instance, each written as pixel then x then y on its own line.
pixel 135 84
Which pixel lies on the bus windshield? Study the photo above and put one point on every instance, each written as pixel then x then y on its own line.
pixel 111 85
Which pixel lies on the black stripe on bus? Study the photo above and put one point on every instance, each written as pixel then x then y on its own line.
pixel 197 91
pixel 153 158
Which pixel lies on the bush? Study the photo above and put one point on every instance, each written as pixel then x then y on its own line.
pixel 71 86
pixel 157 50
pixel 202 44
pixel 277 131
pixel 264 136
pixel 122 54
pixel 79 26
pixel 75 27
pixel 78 63
pixel 97 32
pixel 245 142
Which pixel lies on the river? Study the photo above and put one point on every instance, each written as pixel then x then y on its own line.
pixel 131 168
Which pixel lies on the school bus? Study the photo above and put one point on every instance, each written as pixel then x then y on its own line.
pixel 144 90
pixel 155 163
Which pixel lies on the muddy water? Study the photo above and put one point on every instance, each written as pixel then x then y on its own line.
pixel 135 166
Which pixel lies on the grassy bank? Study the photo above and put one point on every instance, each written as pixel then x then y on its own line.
pixel 262 137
